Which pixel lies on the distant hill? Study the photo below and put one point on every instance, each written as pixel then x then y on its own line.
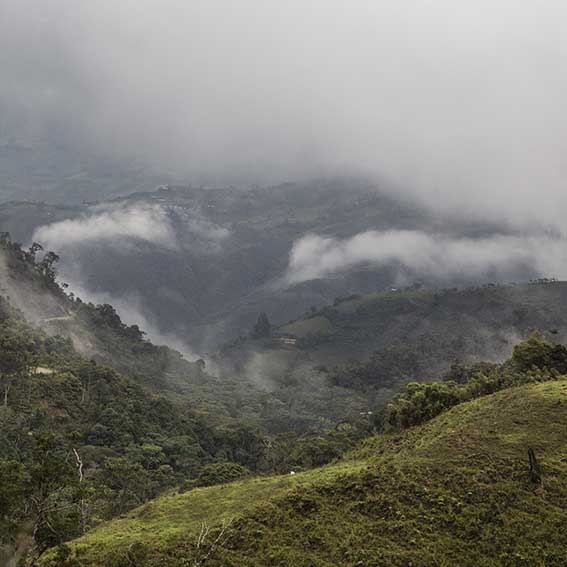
pixel 437 327
pixel 348 359
pixel 231 250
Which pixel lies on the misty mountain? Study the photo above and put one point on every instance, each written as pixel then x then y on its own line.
pixel 197 265
pixel 163 248
pixel 283 283
pixel 104 443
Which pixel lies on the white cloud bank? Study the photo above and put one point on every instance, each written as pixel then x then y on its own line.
pixel 315 256
pixel 144 223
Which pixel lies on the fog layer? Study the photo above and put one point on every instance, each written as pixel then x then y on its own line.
pixel 425 255
pixel 457 104
pixel 113 226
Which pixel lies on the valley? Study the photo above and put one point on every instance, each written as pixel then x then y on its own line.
pixel 283 284
pixel 219 256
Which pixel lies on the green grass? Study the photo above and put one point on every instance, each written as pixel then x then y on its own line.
pixel 455 491
pixel 175 518
pixel 317 324
pixel 372 299
pixel 474 323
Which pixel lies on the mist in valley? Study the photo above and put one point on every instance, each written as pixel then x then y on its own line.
pixel 262 263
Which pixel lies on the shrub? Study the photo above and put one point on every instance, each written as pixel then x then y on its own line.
pixel 221 473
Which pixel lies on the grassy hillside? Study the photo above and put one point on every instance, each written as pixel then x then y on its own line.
pixel 473 322
pixel 456 490
pixel 438 326
pixel 353 356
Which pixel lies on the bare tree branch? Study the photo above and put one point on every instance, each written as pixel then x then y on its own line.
pixel 79 464
pixel 201 541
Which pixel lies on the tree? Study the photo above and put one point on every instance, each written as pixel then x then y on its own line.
pixel 126 484
pixel 47 265
pixel 11 362
pixel 220 473
pixel 32 252
pixel 536 352
pixel 54 492
pixel 12 495
pixel 262 329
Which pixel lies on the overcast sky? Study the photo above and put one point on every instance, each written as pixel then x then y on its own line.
pixel 460 103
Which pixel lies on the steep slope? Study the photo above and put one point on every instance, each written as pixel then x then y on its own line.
pixel 97 332
pixel 456 490
pixel 28 279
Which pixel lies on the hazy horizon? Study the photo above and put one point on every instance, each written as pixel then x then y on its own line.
pixel 457 106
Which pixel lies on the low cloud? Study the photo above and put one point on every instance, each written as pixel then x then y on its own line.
pixel 117 226
pixel 207 230
pixel 146 223
pixel 96 244
pixel 438 256
pixel 198 233
pixel 459 105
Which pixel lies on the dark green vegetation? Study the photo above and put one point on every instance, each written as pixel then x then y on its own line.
pixel 534 360
pixel 351 357
pixel 82 443
pixel 95 420
pixel 457 490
